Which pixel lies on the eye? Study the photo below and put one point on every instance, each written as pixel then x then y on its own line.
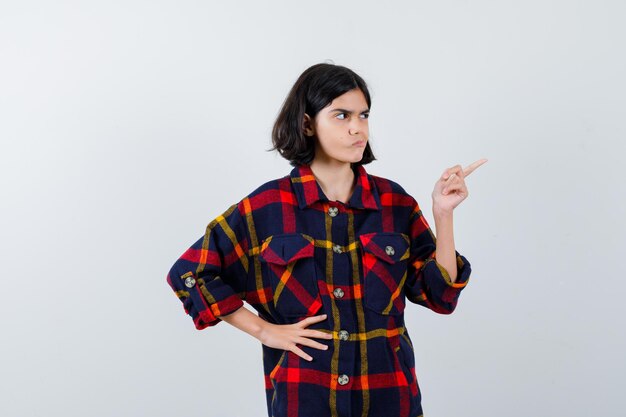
pixel 366 115
pixel 341 118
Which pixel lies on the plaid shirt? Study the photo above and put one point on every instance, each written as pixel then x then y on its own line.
pixel 290 252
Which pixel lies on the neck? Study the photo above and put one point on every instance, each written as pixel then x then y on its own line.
pixel 336 180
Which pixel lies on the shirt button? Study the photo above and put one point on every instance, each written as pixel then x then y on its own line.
pixel 389 250
pixel 343 335
pixel 337 248
pixel 190 282
pixel 332 211
pixel 338 293
pixel 343 379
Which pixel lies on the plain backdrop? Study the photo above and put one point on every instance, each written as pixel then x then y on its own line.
pixel 127 126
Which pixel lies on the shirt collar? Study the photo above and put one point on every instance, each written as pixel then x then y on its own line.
pixel 308 190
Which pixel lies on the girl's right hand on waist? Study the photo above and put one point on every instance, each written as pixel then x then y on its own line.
pixel 286 336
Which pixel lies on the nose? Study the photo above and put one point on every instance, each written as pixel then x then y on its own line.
pixel 354 127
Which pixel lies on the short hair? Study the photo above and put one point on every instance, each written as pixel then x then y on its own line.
pixel 315 89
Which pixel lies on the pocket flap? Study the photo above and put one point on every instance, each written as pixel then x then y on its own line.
pixel 285 248
pixel 391 247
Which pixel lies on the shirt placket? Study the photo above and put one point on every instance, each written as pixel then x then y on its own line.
pixel 341 294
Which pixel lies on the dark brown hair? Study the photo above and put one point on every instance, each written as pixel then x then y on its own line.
pixel 315 89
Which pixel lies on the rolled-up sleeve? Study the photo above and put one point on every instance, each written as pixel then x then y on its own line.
pixel 428 283
pixel 210 277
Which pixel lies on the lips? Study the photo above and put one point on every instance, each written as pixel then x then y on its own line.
pixel 359 143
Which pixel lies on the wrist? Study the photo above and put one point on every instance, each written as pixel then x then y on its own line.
pixel 440 213
pixel 245 320
pixel 262 327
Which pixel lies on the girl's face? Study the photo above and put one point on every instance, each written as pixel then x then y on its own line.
pixel 341 128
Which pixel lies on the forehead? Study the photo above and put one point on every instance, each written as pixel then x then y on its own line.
pixel 353 100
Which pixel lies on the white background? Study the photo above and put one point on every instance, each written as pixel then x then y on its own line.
pixel 126 126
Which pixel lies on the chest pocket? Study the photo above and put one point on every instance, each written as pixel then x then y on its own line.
pixel 289 267
pixel 385 259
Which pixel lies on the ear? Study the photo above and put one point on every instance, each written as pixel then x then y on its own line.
pixel 307 125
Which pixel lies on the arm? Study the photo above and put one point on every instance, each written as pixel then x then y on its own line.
pixel 437 272
pixel 450 190
pixel 428 282
pixel 210 279
pixel 445 252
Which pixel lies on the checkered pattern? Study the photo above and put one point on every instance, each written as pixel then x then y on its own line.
pixel 290 252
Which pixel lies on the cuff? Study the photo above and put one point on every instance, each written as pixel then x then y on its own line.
pixel 210 317
pixel 462 272
pixel 211 298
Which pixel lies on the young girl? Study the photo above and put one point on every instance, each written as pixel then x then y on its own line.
pixel 327 256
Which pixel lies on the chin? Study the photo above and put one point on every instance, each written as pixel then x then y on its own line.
pixel 350 160
pixel 356 158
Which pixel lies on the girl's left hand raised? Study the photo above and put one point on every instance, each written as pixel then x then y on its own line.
pixel 450 189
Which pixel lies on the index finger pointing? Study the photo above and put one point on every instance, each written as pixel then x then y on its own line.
pixel 470 168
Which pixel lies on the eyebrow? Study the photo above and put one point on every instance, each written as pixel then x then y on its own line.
pixel 348 111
